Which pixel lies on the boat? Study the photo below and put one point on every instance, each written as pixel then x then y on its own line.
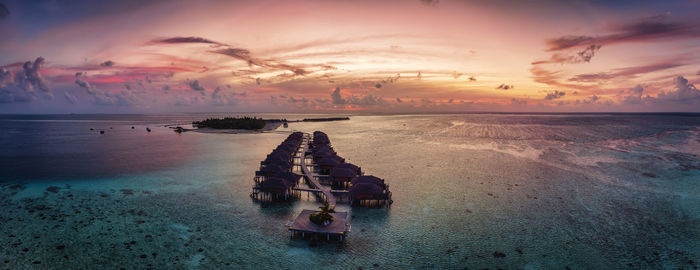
pixel 148 129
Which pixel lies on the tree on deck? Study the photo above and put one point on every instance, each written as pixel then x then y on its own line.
pixel 324 216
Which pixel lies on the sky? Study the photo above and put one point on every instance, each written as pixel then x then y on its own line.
pixel 349 56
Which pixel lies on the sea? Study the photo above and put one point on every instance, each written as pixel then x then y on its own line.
pixel 470 191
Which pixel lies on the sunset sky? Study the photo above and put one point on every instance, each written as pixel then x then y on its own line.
pixel 325 56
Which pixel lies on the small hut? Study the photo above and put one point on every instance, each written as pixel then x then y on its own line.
pixel 340 177
pixel 326 164
pixel 275 188
pixel 353 167
pixel 368 194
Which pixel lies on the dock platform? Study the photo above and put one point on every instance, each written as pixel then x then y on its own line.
pixel 303 225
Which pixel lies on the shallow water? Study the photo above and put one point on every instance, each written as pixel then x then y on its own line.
pixel 476 190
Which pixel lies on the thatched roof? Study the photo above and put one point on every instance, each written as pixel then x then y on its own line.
pixel 289 176
pixel 350 166
pixel 367 179
pixel 275 184
pixel 329 161
pixel 367 189
pixel 273 168
pixel 342 173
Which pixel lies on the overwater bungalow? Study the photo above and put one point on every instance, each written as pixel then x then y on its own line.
pixel 341 177
pixel 367 190
pixel 353 167
pixel 327 163
pixel 369 194
pixel 273 188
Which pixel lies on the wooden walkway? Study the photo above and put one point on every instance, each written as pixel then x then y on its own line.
pixel 310 177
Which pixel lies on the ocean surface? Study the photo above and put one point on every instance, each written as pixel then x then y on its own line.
pixel 510 191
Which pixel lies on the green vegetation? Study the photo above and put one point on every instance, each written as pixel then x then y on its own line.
pixel 322 217
pixel 250 123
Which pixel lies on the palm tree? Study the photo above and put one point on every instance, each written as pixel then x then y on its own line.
pixel 322 216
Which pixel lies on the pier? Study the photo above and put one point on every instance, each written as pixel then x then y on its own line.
pixel 310 177
pixel 327 176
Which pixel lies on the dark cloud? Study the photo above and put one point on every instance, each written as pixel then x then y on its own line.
pixel 646 29
pixel 238 53
pixel 505 86
pixel 4 11
pixel 194 85
pixel 629 72
pixel 554 95
pixel 107 63
pixel 176 40
pixel 336 98
pixel 583 56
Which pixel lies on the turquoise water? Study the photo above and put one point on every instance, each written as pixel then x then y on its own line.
pixel 470 191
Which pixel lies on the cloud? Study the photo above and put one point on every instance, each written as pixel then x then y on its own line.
pixel 238 53
pixel 367 100
pixel 31 78
pixel 69 97
pixel 518 102
pixel 336 98
pixel 176 40
pixel 505 86
pixel 107 63
pixel 634 95
pixel 83 84
pixel 21 86
pixel 430 3
pixel 4 12
pixel 645 29
pixel 221 97
pixel 685 92
pixel 194 85
pixel 554 95
pixel 630 72
pixel 583 56
pixel 591 99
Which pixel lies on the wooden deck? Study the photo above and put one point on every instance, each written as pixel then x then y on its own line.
pixel 303 225
pixel 310 177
